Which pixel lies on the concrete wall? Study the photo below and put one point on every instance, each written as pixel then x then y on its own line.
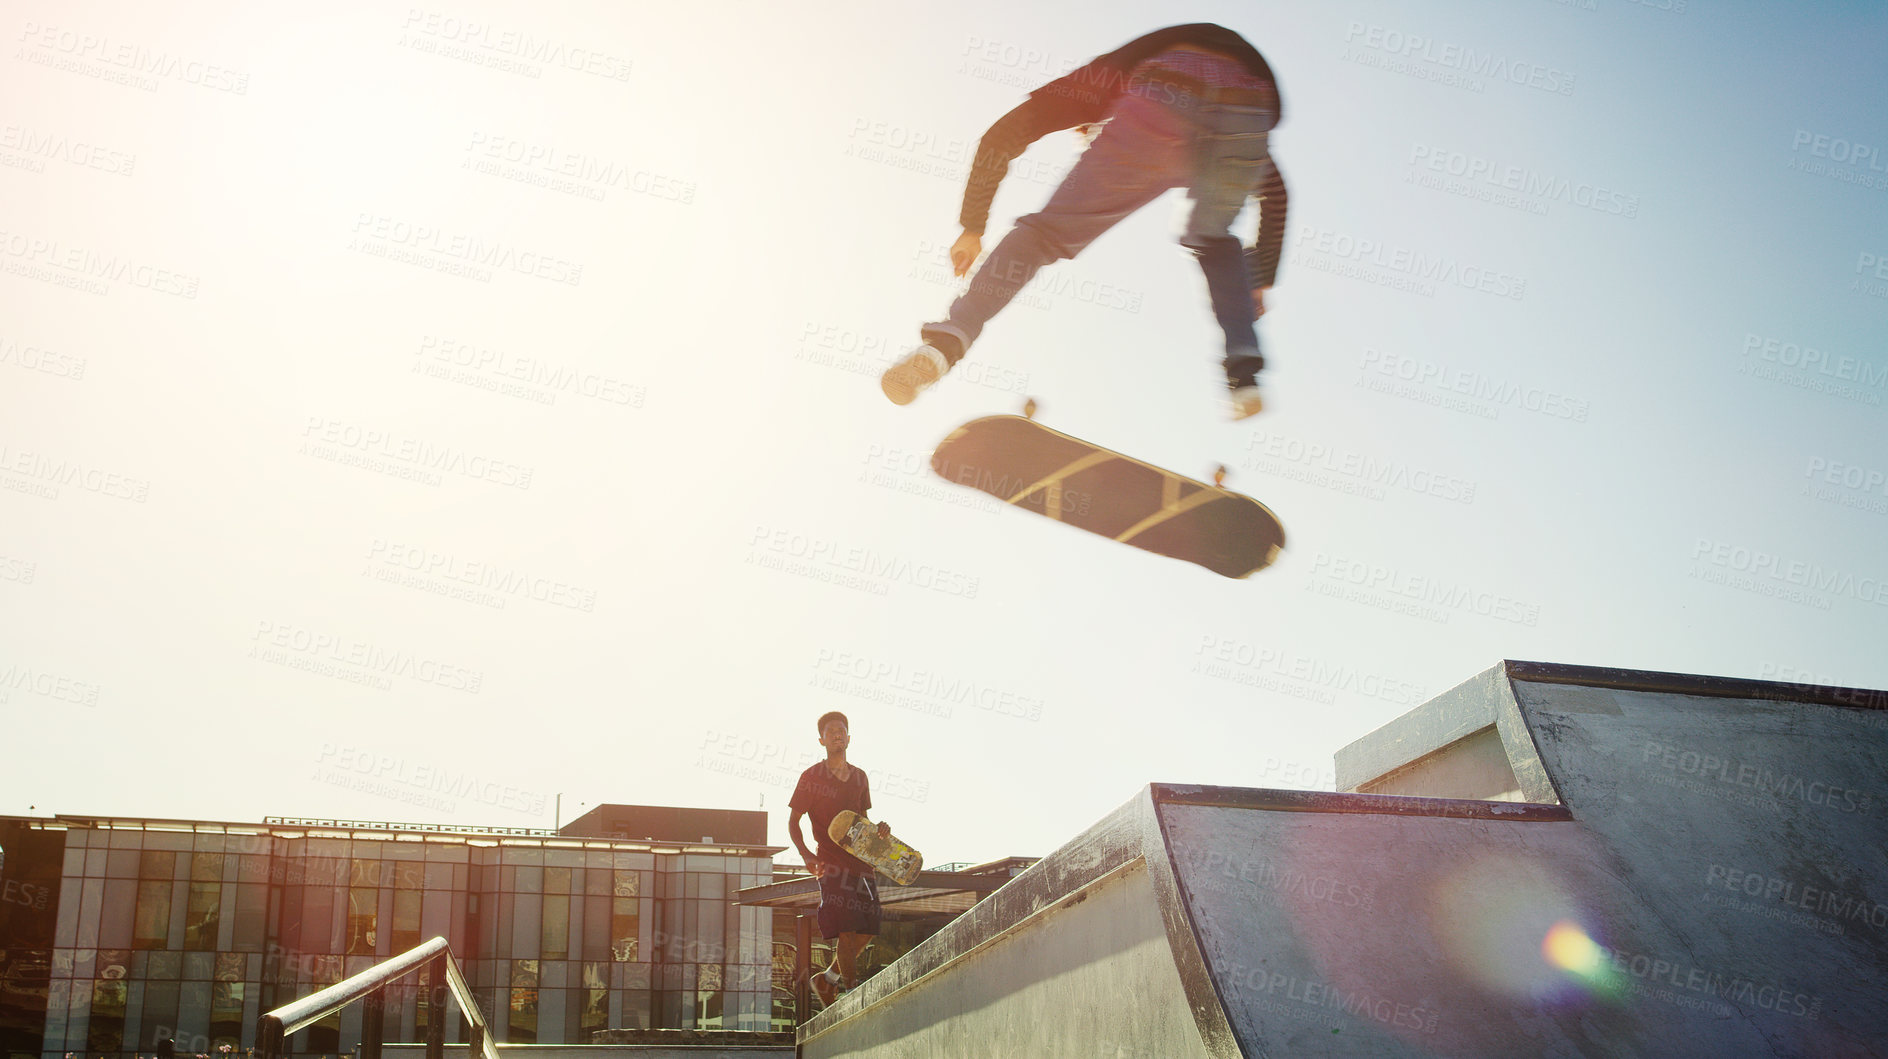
pixel 1747 822
pixel 600 1051
pixel 1348 934
pixel 1469 742
pixel 1093 977
pixel 1472 767
pixel 1758 827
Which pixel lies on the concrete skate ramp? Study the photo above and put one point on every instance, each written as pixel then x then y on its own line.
pixel 1713 882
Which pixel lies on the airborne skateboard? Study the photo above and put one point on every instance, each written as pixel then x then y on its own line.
pixel 1027 465
pixel 859 837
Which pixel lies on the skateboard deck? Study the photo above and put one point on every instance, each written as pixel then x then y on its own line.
pixel 1027 465
pixel 859 837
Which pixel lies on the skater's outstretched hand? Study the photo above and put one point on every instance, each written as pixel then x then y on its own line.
pixel 1258 301
pixel 884 829
pixel 965 250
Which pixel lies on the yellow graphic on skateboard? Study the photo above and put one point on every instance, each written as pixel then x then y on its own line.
pixel 859 837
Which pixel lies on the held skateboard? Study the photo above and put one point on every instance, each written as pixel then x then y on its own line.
pixel 1027 465
pixel 859 837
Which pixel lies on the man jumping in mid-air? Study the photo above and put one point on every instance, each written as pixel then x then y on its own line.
pixel 1187 106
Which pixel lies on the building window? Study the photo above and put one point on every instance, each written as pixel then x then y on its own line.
pixel 638 999
pixel 166 966
pixel 361 913
pixel 206 867
pixel 324 1036
pixel 24 984
pixel 786 948
pixel 150 927
pixel 555 944
pixel 226 1013
pixel 423 1006
pixel 157 864
pixel 202 916
pixel 708 997
pixel 106 1030
pixel 523 1027
pixel 317 921
pixel 252 908
pixel 406 920
pixel 623 929
pixel 159 1013
pixel 596 1000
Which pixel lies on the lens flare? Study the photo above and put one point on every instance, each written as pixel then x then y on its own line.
pixel 1568 947
pixel 1513 925
pixel 1491 912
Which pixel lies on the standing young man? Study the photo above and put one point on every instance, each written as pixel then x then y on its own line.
pixel 848 887
pixel 1186 106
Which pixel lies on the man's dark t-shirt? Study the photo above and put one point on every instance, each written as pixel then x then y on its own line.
pixel 822 797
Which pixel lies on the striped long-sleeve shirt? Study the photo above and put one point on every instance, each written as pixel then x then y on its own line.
pixel 1087 94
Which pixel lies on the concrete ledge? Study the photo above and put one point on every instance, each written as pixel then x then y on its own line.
pixel 1450 724
pixel 695 1038
pixel 777 1046
pixel 1451 716
pixel 1280 801
pixel 1104 848
pixel 1644 680
pixel 1124 845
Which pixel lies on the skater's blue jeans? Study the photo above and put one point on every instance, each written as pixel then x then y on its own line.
pixel 1217 151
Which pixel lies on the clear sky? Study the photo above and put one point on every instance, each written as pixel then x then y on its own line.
pixel 418 412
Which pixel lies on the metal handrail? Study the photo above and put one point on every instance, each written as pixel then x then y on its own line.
pixel 275 1027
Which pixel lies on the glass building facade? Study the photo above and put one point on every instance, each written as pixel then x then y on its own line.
pixel 187 930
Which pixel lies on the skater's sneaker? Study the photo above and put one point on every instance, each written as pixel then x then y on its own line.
pixel 827 988
pixel 1247 401
pixel 903 381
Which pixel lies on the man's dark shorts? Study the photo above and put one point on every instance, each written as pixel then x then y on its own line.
pixel 848 904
